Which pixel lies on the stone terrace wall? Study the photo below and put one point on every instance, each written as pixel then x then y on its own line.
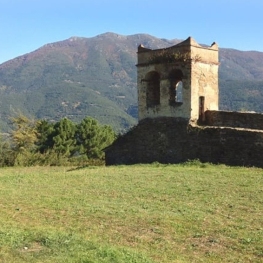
pixel 171 140
pixel 234 119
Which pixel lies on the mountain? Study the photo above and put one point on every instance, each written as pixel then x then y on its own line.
pixel 241 80
pixel 96 77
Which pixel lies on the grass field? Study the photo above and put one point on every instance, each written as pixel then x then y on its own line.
pixel 133 214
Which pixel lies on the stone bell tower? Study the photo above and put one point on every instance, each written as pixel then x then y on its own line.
pixel 179 81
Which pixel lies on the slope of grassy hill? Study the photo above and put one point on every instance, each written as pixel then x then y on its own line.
pixel 137 214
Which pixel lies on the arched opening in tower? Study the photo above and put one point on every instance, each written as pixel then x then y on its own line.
pixel 152 89
pixel 176 87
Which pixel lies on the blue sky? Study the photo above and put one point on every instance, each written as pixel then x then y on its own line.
pixel 26 25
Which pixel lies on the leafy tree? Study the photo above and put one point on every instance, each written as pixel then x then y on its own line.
pixel 24 135
pixel 23 140
pixel 93 138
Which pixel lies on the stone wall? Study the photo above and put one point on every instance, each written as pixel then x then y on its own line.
pixel 174 140
pixel 234 119
pixel 164 133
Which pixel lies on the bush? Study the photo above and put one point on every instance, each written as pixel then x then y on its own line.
pixel 7 155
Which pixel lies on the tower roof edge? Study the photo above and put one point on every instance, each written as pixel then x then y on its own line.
pixel 191 42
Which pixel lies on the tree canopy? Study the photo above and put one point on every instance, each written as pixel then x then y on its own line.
pixel 42 142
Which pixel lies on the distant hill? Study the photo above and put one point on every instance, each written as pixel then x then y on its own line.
pixel 96 77
pixel 241 80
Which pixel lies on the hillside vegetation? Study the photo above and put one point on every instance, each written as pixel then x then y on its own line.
pixel 138 214
pixel 61 143
pixel 96 77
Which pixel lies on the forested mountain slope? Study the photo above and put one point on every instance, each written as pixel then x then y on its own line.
pixel 96 77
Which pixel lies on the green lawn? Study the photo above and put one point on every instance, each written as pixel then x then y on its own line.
pixel 133 214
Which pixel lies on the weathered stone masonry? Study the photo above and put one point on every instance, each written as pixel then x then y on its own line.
pixel 178 113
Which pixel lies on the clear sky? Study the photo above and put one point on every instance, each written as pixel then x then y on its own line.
pixel 26 25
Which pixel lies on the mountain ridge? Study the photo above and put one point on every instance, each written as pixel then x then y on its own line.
pixel 96 76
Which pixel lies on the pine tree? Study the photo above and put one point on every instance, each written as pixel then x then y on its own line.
pixel 93 138
pixel 64 137
pixel 46 132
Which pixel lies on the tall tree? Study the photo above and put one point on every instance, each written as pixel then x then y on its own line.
pixel 64 137
pixel 24 135
pixel 45 136
pixel 92 138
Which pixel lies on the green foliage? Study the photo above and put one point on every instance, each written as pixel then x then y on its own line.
pixel 93 138
pixel 45 131
pixel 64 137
pixel 23 140
pixel 61 143
pixel 7 156
pixel 24 136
